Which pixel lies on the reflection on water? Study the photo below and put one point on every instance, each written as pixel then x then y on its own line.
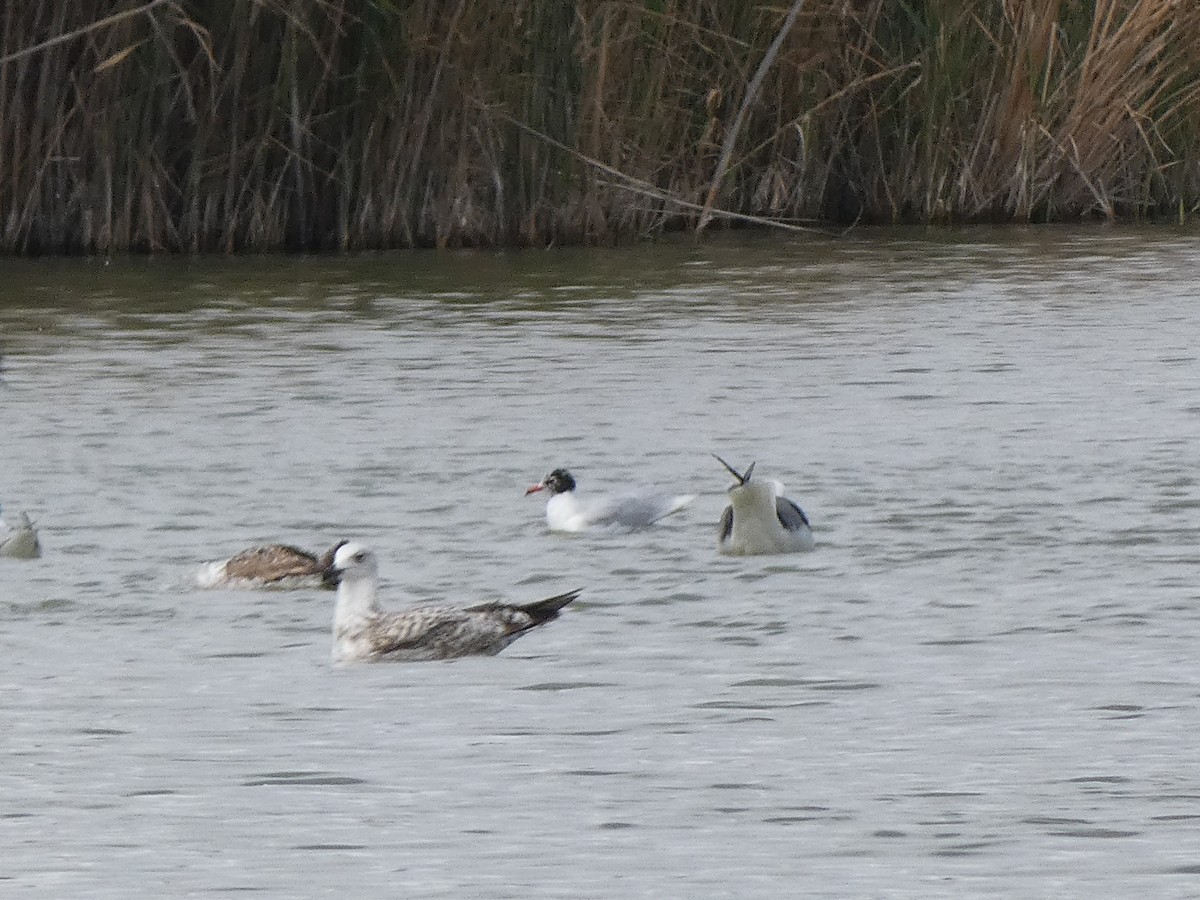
pixel 981 682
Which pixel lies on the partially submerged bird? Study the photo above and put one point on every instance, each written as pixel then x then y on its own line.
pixel 759 520
pixel 567 511
pixel 364 632
pixel 274 566
pixel 19 539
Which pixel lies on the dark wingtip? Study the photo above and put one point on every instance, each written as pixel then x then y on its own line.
pixel 546 610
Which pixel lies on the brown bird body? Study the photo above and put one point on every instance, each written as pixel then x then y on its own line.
pixel 272 565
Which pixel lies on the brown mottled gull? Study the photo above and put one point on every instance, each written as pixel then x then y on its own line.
pixel 362 631
pixel 274 565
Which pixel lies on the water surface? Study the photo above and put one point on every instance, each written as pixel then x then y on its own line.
pixel 982 683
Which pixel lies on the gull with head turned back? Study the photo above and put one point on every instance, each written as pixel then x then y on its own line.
pixel 269 566
pixel 760 520
pixel 19 540
pixel 364 632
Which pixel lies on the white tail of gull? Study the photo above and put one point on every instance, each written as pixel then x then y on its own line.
pixel 364 632
pixel 760 520
pixel 568 511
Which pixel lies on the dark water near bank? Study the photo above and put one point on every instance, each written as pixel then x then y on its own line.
pixel 984 682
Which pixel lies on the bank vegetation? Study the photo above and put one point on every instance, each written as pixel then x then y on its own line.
pixel 227 125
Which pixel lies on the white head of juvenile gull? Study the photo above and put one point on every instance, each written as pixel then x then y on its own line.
pixel 269 566
pixel 19 539
pixel 760 520
pixel 363 632
pixel 566 510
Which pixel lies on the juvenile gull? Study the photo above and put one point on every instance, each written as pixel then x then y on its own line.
pixel 364 632
pixel 273 565
pixel 19 539
pixel 567 511
pixel 759 520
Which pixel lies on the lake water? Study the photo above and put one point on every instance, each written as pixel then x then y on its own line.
pixel 983 682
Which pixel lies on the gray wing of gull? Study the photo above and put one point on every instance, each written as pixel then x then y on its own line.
pixel 726 524
pixel 791 516
pixel 632 510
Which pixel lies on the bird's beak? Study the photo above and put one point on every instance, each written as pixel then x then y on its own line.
pixel 742 479
pixel 331 576
pixel 534 489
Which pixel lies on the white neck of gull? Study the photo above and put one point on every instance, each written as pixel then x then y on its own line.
pixel 755 498
pixel 355 601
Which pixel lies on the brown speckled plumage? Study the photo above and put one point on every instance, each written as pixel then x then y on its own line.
pixel 446 632
pixel 270 566
pixel 364 632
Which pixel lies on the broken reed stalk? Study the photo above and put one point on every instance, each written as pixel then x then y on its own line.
pixel 264 124
pixel 748 98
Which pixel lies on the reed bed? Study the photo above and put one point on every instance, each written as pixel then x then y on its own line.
pixel 228 125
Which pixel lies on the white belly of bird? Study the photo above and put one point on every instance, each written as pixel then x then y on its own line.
pixel 352 646
pixel 762 534
pixel 563 517
pixel 753 537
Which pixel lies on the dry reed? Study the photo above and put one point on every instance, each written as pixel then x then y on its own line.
pixel 264 124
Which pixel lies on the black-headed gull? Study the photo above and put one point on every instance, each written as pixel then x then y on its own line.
pixel 363 632
pixel 19 539
pixel 567 511
pixel 760 520
pixel 270 566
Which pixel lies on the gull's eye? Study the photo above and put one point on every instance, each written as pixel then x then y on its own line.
pixel 359 557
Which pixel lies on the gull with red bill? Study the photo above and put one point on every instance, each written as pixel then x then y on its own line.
pixel 566 510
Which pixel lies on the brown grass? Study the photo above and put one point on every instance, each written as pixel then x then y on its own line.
pixel 263 124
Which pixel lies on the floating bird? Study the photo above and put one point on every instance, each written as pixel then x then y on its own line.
pixel 567 511
pixel 759 520
pixel 19 539
pixel 362 631
pixel 274 566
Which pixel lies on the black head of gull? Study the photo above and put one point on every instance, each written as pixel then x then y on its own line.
pixel 560 481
